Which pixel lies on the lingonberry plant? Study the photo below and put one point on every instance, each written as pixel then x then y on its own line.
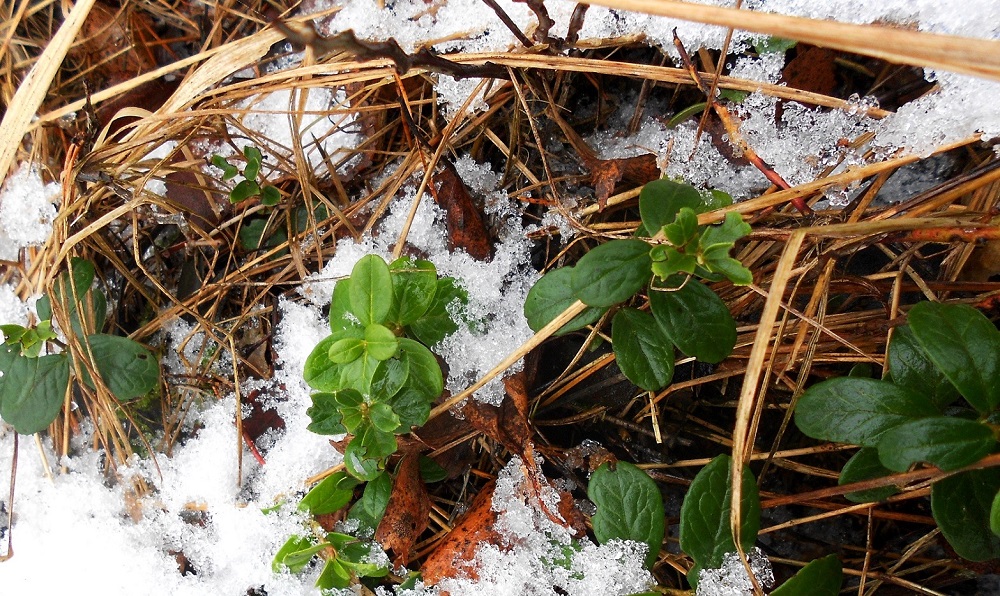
pixel 375 378
pixel 666 259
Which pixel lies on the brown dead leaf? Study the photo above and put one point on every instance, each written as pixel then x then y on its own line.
pixel 466 226
pixel 453 555
pixel 407 513
pixel 812 69
pixel 508 423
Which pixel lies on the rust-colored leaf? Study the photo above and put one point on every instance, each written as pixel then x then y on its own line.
pixel 406 515
pixel 812 69
pixel 466 226
pixel 453 555
pixel 508 423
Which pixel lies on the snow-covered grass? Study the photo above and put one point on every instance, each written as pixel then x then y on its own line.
pixel 98 536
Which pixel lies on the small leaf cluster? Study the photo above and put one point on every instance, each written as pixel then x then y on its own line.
pixel 33 388
pixel 248 187
pixel 630 507
pixel 914 415
pixel 706 537
pixel 347 559
pixel 375 376
pixel 683 312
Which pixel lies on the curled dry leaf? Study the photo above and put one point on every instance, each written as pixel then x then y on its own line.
pixel 407 513
pixel 475 527
pixel 466 225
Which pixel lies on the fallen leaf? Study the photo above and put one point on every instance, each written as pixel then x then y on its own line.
pixel 407 513
pixel 453 556
pixel 466 226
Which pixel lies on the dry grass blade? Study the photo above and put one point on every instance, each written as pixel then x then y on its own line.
pixel 977 57
pixel 33 89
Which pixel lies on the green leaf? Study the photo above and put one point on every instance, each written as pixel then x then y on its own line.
pixel 383 418
pixel 32 391
pixel 612 272
pixel 229 171
pixel 865 465
pixel 431 471
pixel 359 463
pixel 822 577
pixel 325 414
pixel 77 298
pixel 715 244
pixel 732 269
pixel 425 372
pixel 910 367
pixel 437 323
pixel 644 354
pixel 414 283
pixel 727 233
pixel 961 506
pixel 774 45
pixel 715 199
pixel 661 200
pixel 683 230
pixel 370 508
pixel 964 345
pixel 270 196
pixel 995 515
pixel 251 234
pixel 696 320
pixel 371 290
pixel 412 406
pixel 859 411
pixel 334 576
pixel 944 441
pixel 12 333
pixel 347 350
pixel 358 374
pixel 388 378
pixel 126 366
pixel 704 529
pixel 674 262
pixel 319 371
pixel 243 191
pixel 254 159
pixel 550 296
pixel 629 507
pixel 355 555
pixel 380 343
pixel 352 406
pixel 341 317
pixel 330 495
pixel 294 544
pixel 378 443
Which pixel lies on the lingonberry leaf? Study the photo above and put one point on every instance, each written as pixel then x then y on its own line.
pixel 961 506
pixel 629 507
pixel 947 442
pixel 612 272
pixel 695 319
pixel 644 353
pixel 371 290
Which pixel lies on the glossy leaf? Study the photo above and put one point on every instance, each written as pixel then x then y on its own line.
pixel 334 576
pixel 330 495
pixel 388 378
pixel 550 296
pixel 944 441
pixel 696 319
pixel 325 415
pixel 644 353
pixel 910 367
pixel 383 418
pixel 425 372
pixel 341 317
pixel 612 272
pixel 414 283
pixel 437 323
pixel 961 506
pixel 32 391
pixel 378 443
pixel 347 350
pixel 355 557
pixel 270 196
pixel 822 577
pixel 294 544
pixel 359 462
pixel 359 373
pixel 629 507
pixel 370 508
pixel 371 290
pixel 859 411
pixel 77 298
pixel 352 407
pixel 704 530
pixel 660 200
pixel 866 465
pixel 412 406
pixel 380 343
pixel 995 514
pixel 229 171
pixel 715 244
pixel 964 345
pixel 128 369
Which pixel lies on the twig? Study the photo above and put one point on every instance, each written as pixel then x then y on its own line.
pixel 734 134
pixel 505 18
pixel 348 42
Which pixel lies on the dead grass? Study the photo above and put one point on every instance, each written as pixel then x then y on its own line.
pixel 812 312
